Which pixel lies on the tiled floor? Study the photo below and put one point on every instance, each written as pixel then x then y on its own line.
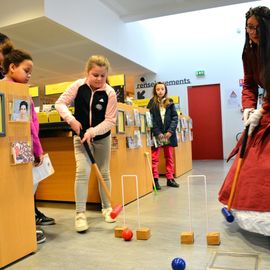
pixel 166 214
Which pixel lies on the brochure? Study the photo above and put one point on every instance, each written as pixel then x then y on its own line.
pixel 44 170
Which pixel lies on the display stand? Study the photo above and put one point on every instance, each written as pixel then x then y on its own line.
pixel 17 226
pixel 58 143
pixel 130 161
pixel 183 152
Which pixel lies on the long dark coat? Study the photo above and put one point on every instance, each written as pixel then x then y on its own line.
pixel 170 121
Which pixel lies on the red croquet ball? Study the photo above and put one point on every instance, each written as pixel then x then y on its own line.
pixel 127 234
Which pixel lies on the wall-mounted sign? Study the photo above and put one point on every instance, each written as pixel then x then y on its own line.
pixel 168 83
pixel 200 73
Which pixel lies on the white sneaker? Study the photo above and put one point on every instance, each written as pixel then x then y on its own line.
pixel 106 213
pixel 81 224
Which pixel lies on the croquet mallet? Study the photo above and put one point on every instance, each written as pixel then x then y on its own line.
pixel 226 211
pixel 118 208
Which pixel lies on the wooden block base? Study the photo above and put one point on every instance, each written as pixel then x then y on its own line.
pixel 118 231
pixel 213 238
pixel 143 233
pixel 187 238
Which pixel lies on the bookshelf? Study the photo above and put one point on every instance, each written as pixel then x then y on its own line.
pixel 17 226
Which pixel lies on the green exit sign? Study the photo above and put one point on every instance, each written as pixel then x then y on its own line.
pixel 200 73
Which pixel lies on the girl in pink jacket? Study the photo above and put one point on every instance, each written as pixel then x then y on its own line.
pixel 95 105
pixel 17 67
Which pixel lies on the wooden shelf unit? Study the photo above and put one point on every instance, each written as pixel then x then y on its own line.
pixel 182 159
pixel 17 226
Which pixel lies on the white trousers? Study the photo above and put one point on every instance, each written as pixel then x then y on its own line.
pixel 101 151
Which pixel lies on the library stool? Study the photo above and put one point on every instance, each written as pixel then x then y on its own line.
pixel 118 230
pixel 187 238
pixel 213 238
pixel 143 233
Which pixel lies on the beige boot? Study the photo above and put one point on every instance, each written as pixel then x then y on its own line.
pixel 81 224
pixel 106 213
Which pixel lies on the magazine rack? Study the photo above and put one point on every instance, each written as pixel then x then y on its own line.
pixel 17 226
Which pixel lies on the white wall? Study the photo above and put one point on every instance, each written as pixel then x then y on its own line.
pixel 211 40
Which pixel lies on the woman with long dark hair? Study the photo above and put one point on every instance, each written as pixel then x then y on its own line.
pixel 251 202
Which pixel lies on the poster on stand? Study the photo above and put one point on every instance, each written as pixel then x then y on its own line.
pixel 21 152
pixel 20 110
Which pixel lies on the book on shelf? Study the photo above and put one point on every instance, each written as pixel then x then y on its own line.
pixel 185 135
pixel 43 171
pixel 114 142
pixel 190 136
pixel 137 118
pixel 21 152
pixel 190 123
pixel 149 141
pixel 137 139
pixel 130 142
pixel 129 118
pixel 149 121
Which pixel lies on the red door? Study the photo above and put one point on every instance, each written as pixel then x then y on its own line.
pixel 205 110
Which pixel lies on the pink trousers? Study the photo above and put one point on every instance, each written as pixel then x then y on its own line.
pixel 168 154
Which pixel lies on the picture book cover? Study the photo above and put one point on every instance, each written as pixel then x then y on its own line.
pixel 120 126
pixel 21 152
pixel 20 110
pixel 190 136
pixel 160 142
pixel 149 141
pixel 114 142
pixel 137 118
pixel 137 139
pixel 143 123
pixel 149 121
pixel 184 134
pixel 130 142
pixel 129 118
pixel 179 126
